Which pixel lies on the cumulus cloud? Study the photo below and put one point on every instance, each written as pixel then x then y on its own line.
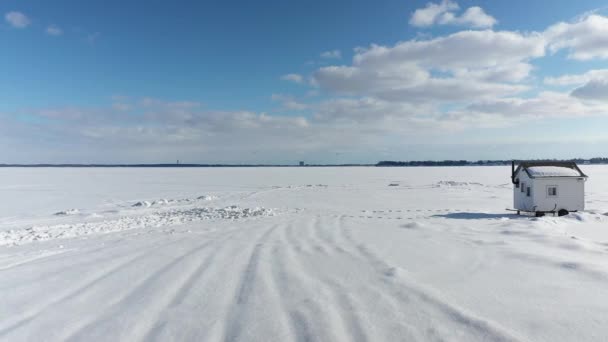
pixel 54 30
pixel 591 85
pixel 430 14
pixel 333 54
pixel 410 91
pixel 463 66
pixel 144 129
pixel 577 79
pixel 296 78
pixel 374 114
pixel 505 112
pixel 17 19
pixel 473 17
pixel 443 13
pixel 596 89
pixel 467 49
pixel 584 39
pixel 546 104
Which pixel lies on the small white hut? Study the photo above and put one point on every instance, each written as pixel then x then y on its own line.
pixel 548 187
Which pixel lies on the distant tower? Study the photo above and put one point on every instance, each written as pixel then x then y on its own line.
pixel 301 163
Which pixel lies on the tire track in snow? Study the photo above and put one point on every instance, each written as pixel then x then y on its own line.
pixel 274 295
pixel 71 292
pixel 313 238
pixel 403 290
pixel 330 302
pixel 298 329
pixel 196 293
pixel 234 321
pixel 146 287
pixel 301 328
pixel 24 259
pixel 300 296
pixel 371 301
pixel 118 252
pixel 354 311
pixel 323 233
pixel 184 286
pixel 291 239
pixel 351 319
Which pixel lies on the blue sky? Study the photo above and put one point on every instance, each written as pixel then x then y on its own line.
pixel 278 82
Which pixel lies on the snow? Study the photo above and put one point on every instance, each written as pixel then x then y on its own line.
pixel 296 254
pixel 552 171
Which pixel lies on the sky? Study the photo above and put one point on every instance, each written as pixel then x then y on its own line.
pixel 319 81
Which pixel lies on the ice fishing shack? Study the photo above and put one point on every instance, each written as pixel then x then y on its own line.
pixel 544 187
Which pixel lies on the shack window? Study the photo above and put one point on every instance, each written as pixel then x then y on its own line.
pixel 523 186
pixel 517 183
pixel 552 190
pixel 528 191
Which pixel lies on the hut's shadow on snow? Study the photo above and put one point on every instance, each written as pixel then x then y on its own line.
pixel 477 216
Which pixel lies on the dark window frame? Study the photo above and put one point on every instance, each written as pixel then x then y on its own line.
pixel 549 192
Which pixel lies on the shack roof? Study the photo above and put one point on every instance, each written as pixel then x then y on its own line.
pixel 542 169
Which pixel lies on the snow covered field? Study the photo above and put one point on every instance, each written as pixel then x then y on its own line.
pixel 295 254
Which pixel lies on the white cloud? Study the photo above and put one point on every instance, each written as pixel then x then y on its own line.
pixel 296 78
pixel 54 30
pixel 474 17
pixel 545 105
pixel 465 49
pixel 592 85
pixel 577 79
pixel 596 89
pixel 506 112
pixel 430 14
pixel 584 39
pixel 333 54
pixel 141 129
pixel 508 72
pixel 369 111
pixel 443 13
pixel 411 91
pixel 17 19
pixel 464 66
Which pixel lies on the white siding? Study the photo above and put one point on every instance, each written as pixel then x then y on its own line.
pixel 570 193
pixel 520 199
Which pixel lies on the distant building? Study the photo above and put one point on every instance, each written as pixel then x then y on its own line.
pixel 548 187
pixel 301 163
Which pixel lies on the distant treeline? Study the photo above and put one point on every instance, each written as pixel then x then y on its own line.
pixel 479 162
pixel 382 163
pixel 425 163
pixel 180 165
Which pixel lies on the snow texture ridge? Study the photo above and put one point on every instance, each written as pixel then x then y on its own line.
pixel 157 219
pixel 203 258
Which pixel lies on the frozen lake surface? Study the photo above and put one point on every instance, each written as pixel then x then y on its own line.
pixel 295 254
